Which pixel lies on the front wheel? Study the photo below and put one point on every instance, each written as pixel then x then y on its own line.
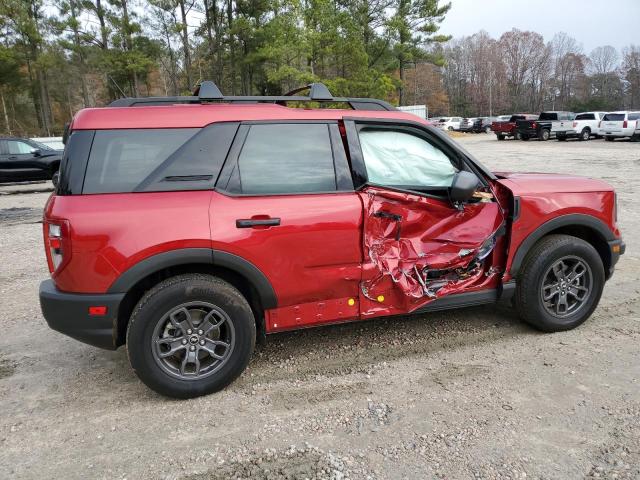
pixel 544 135
pixel 560 283
pixel 190 335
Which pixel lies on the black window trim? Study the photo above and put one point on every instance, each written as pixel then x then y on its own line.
pixel 230 167
pixel 458 155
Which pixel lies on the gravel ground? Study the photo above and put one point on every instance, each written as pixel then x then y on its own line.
pixel 471 393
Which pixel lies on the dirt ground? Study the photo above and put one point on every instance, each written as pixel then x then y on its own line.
pixel 472 393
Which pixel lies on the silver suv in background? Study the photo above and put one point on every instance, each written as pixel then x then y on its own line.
pixel 620 125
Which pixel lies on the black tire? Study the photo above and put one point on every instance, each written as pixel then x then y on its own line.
pixel 450 129
pixel 500 137
pixel 544 135
pixel 585 134
pixel 609 139
pixel 152 310
pixel 535 270
pixel 55 178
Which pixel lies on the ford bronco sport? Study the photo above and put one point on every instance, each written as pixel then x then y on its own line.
pixel 187 227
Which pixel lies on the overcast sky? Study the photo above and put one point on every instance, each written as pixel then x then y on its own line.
pixel 590 22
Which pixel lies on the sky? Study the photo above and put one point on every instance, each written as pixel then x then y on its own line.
pixel 591 22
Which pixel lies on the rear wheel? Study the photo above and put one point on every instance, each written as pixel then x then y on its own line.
pixel 560 283
pixel 450 129
pixel 518 136
pixel 190 335
pixel 585 134
pixel 544 135
pixel 55 178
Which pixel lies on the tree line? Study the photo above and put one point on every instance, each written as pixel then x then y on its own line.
pixel 520 72
pixel 59 56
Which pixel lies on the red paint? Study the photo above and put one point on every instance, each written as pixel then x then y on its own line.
pixel 318 258
pixel 193 116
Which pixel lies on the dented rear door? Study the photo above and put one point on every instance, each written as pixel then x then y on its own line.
pixel 418 246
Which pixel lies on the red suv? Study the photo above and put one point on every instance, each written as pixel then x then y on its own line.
pixel 186 227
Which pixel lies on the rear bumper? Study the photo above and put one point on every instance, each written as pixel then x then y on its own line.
pixel 68 313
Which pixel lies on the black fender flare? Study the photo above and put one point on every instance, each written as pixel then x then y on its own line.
pixel 208 256
pixel 575 219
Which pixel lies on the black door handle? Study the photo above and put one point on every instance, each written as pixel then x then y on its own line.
pixel 257 222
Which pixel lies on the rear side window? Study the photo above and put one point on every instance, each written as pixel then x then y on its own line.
pixel 286 158
pixel 151 160
pixel 586 116
pixel 515 118
pixel 614 117
pixel 18 148
pixel 634 116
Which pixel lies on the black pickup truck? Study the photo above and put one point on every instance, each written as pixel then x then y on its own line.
pixel 22 159
pixel 548 125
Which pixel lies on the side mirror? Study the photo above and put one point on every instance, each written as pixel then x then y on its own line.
pixel 36 152
pixel 463 186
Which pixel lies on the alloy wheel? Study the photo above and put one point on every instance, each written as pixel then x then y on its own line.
pixel 193 340
pixel 566 286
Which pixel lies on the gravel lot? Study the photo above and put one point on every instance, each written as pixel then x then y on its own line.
pixel 471 393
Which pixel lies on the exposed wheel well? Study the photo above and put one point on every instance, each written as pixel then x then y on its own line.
pixel 244 286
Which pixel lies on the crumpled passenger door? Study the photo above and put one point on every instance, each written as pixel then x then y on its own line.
pixel 417 245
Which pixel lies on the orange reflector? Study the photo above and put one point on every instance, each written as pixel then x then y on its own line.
pixel 615 249
pixel 351 302
pixel 380 298
pixel 98 310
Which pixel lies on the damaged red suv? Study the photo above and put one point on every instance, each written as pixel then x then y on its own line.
pixel 186 227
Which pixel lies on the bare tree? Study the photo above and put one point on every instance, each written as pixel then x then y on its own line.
pixel 631 71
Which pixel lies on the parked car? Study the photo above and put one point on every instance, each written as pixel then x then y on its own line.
pixel 507 129
pixel 548 125
pixel 585 126
pixel 483 124
pixel 467 124
pixel 52 142
pixel 184 229
pixel 450 123
pixel 620 125
pixel 22 159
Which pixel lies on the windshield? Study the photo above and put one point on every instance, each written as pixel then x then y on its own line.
pixel 39 145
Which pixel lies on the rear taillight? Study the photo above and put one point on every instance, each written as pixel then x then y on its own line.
pixel 534 125
pixel 624 124
pixel 57 241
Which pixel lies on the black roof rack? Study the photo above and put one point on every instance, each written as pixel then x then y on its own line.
pixel 208 92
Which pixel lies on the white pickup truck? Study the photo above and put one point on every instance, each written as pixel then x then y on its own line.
pixel 620 125
pixel 585 126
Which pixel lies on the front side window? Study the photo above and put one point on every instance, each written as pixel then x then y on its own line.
pixel 286 158
pixel 400 159
pixel 18 148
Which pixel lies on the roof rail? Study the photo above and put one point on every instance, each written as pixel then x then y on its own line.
pixel 208 92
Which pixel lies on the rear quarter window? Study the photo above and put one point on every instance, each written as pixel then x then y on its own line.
pixel 548 116
pixel 634 116
pixel 151 160
pixel 586 116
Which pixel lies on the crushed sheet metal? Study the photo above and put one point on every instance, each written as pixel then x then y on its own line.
pixel 426 250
